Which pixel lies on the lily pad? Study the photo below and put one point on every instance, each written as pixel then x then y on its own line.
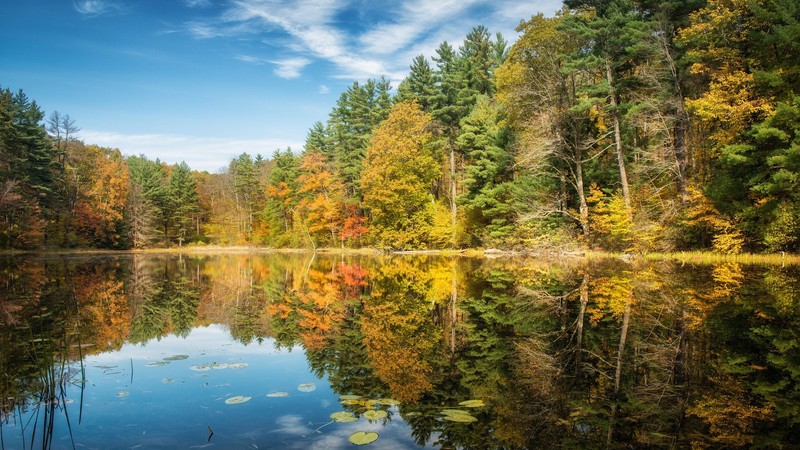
pixel 200 368
pixel 349 397
pixel 472 404
pixel 237 366
pixel 350 402
pixel 167 380
pixel 220 366
pixel 375 414
pixel 237 399
pixel 387 401
pixel 448 412
pixel 306 387
pixel 176 358
pixel 122 394
pixel 343 417
pixel 363 438
pixel 156 363
pixel 463 418
pixel 278 394
pixel 458 415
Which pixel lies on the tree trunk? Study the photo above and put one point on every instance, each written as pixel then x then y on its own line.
pixel 623 173
pixel 453 210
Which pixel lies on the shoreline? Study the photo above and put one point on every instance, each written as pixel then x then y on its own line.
pixel 695 257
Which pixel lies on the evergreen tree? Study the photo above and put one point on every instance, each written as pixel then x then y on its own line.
pixel 149 205
pixel 419 85
pixel 489 173
pixel 184 199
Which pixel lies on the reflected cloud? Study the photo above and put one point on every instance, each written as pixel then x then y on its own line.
pixel 95 8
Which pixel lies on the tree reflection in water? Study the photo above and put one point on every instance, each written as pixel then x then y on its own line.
pixel 564 354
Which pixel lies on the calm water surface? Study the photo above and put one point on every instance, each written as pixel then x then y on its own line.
pixel 257 351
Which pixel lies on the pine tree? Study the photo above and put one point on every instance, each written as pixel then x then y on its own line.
pixel 419 85
pixel 184 200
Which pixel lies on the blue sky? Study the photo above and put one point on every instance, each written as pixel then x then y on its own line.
pixel 202 81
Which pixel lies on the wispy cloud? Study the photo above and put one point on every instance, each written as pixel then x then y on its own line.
pixel 95 8
pixel 197 3
pixel 324 89
pixel 414 18
pixel 207 153
pixel 313 30
pixel 290 68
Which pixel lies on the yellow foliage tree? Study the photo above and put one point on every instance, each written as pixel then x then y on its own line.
pixel 397 177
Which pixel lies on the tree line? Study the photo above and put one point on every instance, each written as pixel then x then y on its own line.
pixel 624 125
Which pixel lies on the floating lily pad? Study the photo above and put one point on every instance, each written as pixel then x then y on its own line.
pixel 237 366
pixel 412 414
pixel 375 414
pixel 106 367
pixel 200 368
pixel 343 417
pixel 454 411
pixel 236 400
pixel 176 358
pixel 472 404
pixel 122 394
pixel 350 402
pixel 220 366
pixel 463 418
pixel 386 401
pixel 278 394
pixel 156 363
pixel 167 380
pixel 306 387
pixel 363 437
pixel 458 415
pixel 349 397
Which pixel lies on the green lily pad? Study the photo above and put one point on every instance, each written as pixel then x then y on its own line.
pixel 237 399
pixel 306 387
pixel 176 358
pixel 343 417
pixel 375 414
pixel 200 368
pixel 278 394
pixel 387 401
pixel 363 438
pixel 220 366
pixel 237 366
pixel 349 397
pixel 350 402
pixel 463 418
pixel 156 363
pixel 448 412
pixel 122 394
pixel 472 404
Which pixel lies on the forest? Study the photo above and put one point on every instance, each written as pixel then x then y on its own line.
pixel 617 125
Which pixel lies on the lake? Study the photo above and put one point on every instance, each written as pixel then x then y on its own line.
pixel 263 350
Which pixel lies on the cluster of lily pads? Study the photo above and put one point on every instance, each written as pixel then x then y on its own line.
pixel 373 413
pixel 217 366
pixel 304 387
pixel 167 360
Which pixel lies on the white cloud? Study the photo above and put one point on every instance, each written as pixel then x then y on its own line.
pixel 290 68
pixel 324 89
pixel 314 30
pixel 414 18
pixel 197 3
pixel 94 8
pixel 201 153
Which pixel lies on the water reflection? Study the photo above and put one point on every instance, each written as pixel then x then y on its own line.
pixel 571 354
